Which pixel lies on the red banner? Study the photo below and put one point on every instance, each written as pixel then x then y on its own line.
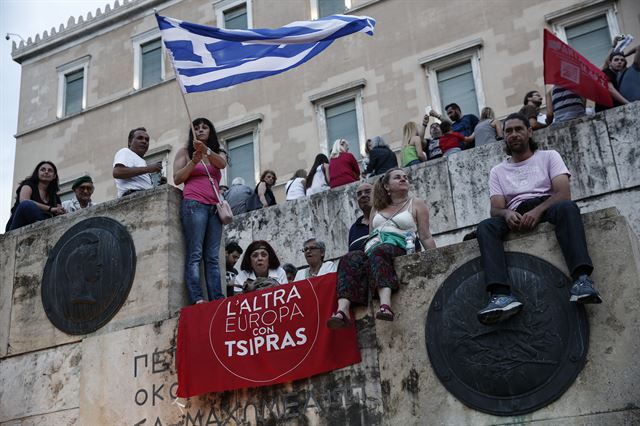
pixel 262 338
pixel 567 68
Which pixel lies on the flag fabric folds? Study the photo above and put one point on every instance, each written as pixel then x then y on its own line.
pixel 262 338
pixel 569 69
pixel 207 58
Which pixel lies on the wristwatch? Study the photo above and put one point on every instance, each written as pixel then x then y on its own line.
pixel 209 152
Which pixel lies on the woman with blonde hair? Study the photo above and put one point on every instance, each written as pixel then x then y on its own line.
pixel 412 152
pixel 488 130
pixel 343 167
pixel 395 217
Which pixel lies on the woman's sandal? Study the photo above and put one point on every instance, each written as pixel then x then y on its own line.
pixel 338 320
pixel 385 313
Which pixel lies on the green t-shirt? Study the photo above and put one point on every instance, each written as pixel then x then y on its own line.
pixel 409 154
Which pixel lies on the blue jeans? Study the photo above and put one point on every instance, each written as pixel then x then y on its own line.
pixel 26 213
pixel 202 233
pixel 565 215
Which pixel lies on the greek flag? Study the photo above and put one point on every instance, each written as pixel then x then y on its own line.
pixel 207 58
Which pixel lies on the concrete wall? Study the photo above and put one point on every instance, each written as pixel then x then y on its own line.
pixel 396 87
pixel 124 373
pixel 600 152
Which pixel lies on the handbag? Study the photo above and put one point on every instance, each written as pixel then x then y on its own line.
pixel 223 208
pixel 378 237
pixel 381 237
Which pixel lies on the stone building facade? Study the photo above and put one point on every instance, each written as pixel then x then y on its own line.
pixel 86 84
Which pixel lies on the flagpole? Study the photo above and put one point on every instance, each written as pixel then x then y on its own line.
pixel 180 86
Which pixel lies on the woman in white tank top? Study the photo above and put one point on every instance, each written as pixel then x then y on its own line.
pixel 394 214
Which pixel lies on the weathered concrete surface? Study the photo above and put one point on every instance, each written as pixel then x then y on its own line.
pixel 59 418
pixel 608 383
pixel 624 134
pixel 626 201
pixel 157 291
pixel 7 264
pixel 40 382
pixel 584 145
pixel 469 177
pixel 599 151
pixel 141 386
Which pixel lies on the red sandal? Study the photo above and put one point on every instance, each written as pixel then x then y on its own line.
pixel 338 320
pixel 385 313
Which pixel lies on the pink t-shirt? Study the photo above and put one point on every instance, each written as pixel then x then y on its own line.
pixel 531 178
pixel 198 187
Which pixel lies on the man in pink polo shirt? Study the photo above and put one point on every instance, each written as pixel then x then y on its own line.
pixel 529 187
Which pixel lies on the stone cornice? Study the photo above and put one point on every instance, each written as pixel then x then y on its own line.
pixel 75 30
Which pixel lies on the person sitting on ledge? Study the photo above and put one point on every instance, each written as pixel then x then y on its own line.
pixel 262 196
pixel 130 171
pixel 353 269
pixel 238 195
pixel 83 189
pixel 395 217
pixel 529 187
pixel 36 197
pixel 260 268
pixel 381 158
pixel 343 166
pixel 295 187
pixel 314 251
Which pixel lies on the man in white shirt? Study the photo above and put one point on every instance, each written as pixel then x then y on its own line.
pixel 130 171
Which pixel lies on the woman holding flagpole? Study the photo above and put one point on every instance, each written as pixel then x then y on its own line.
pixel 197 166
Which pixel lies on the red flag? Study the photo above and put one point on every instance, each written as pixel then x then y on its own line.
pixel 567 68
pixel 262 338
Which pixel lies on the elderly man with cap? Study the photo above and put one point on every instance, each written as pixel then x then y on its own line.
pixel 83 188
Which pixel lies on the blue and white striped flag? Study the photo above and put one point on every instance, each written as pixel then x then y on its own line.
pixel 207 58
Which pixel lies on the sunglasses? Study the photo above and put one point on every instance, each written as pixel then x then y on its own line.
pixel 363 192
pixel 306 249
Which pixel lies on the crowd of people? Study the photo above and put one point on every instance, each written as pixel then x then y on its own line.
pixel 392 221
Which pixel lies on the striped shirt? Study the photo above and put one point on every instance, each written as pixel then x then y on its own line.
pixel 566 105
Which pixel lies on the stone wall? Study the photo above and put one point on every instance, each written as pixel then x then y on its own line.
pixel 601 153
pixel 124 372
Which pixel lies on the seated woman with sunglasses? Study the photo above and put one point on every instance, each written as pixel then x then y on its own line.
pixel 394 214
pixel 314 254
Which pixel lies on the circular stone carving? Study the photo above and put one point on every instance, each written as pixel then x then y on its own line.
pixel 517 366
pixel 88 275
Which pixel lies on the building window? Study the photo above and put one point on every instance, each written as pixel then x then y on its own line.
pixel 455 84
pixel 234 14
pixel 241 140
pixel 73 90
pixel 454 76
pixel 72 87
pixel 589 29
pixel 148 62
pixel 322 8
pixel 236 18
pixel 158 154
pixel 342 122
pixel 242 159
pixel 339 115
